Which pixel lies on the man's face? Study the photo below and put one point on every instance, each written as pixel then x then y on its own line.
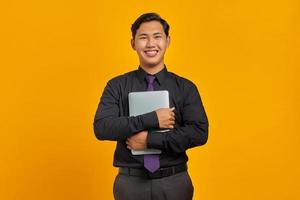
pixel 150 43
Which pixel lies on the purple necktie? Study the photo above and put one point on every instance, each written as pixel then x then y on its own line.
pixel 151 161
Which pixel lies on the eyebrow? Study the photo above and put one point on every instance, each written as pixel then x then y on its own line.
pixel 144 34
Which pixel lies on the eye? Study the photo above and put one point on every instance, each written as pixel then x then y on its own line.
pixel 142 38
pixel 157 37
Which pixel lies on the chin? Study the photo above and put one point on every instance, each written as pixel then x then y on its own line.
pixel 151 63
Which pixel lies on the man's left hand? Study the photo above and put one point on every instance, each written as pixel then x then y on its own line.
pixel 137 141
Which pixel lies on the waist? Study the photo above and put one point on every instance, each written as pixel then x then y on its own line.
pixel 160 173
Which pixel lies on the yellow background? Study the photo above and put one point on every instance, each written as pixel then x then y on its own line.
pixel 56 57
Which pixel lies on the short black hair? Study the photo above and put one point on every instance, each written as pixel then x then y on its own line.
pixel 147 17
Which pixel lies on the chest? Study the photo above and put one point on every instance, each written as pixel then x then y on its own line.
pixel 176 97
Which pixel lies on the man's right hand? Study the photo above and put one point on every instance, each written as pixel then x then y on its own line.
pixel 166 117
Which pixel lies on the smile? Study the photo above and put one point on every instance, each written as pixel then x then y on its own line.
pixel 151 53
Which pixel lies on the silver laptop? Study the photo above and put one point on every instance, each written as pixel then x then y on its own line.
pixel 145 102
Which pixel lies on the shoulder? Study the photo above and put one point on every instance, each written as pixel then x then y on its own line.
pixel 121 79
pixel 181 81
pixel 187 89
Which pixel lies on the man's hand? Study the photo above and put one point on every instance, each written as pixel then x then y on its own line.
pixel 137 141
pixel 166 117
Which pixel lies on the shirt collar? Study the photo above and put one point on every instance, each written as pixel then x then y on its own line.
pixel 161 76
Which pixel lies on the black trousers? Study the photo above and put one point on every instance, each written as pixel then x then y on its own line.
pixel 175 187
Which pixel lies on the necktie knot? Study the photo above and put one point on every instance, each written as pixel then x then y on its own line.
pixel 150 79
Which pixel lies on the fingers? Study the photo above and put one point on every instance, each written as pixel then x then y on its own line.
pixel 172 118
pixel 171 126
pixel 128 144
pixel 130 141
pixel 166 117
pixel 172 111
pixel 171 121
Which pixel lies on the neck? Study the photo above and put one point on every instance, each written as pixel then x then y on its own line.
pixel 152 69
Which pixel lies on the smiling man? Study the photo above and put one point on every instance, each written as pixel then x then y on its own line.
pixel 152 177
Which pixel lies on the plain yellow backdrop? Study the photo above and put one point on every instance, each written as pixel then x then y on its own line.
pixel 56 57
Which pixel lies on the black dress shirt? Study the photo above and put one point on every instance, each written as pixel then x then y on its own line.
pixel 112 121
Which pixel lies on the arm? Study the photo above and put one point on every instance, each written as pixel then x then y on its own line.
pixel 166 119
pixel 109 125
pixel 192 132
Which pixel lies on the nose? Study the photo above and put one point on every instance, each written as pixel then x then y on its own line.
pixel 150 42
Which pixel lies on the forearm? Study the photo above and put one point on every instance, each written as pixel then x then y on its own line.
pixel 108 127
pixel 180 138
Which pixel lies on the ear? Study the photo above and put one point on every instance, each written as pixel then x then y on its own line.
pixel 168 41
pixel 132 44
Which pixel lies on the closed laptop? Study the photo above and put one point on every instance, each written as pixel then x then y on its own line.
pixel 145 102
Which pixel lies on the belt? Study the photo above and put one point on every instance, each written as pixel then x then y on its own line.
pixel 160 173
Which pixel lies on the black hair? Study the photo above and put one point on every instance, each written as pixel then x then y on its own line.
pixel 147 17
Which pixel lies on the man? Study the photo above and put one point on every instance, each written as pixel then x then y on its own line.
pixel 152 177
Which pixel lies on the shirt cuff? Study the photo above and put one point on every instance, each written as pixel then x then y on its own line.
pixel 155 140
pixel 150 120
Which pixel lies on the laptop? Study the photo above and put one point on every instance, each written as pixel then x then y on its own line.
pixel 145 102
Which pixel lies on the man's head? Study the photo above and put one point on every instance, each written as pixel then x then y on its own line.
pixel 150 38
